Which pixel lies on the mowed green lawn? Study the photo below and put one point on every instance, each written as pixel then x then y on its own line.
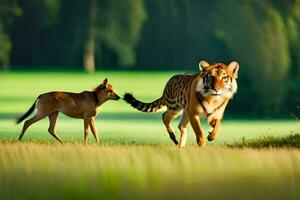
pixel 136 159
pixel 117 122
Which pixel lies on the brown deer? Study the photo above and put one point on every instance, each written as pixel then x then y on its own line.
pixel 84 105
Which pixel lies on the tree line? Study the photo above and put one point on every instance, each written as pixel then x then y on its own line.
pixel 263 36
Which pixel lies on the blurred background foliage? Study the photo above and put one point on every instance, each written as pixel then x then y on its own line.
pixel 263 36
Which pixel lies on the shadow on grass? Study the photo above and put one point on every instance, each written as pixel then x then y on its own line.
pixel 290 141
pixel 106 116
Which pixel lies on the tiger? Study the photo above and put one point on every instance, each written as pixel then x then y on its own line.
pixel 203 95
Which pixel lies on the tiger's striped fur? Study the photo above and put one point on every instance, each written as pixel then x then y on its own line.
pixel 194 96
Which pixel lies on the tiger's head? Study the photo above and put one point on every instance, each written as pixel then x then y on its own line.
pixel 217 79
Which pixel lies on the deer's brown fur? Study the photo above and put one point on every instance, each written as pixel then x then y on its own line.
pixel 84 105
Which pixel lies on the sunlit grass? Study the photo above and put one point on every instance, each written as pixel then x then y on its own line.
pixel 117 122
pixel 18 90
pixel 149 129
pixel 135 158
pixel 75 171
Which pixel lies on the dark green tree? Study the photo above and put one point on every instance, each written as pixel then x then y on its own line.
pixel 8 10
pixel 115 24
pixel 255 33
pixel 31 31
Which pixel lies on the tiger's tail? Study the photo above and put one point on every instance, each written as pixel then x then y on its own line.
pixel 144 107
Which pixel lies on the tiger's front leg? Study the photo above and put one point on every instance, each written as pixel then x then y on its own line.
pixel 195 122
pixel 216 124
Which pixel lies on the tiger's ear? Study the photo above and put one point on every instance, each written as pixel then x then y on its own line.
pixel 203 65
pixel 234 68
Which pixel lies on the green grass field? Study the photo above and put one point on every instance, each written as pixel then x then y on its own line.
pixel 136 159
pixel 117 123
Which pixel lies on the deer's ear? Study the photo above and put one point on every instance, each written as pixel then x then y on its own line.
pixel 203 65
pixel 105 83
pixel 234 68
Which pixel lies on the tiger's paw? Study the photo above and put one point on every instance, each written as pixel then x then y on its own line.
pixel 211 137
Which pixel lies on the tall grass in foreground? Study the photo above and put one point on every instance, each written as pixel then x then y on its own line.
pixel 74 171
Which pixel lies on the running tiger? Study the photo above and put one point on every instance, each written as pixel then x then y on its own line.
pixel 203 95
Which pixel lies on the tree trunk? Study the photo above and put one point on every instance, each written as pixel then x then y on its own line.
pixel 88 54
pixel 89 46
